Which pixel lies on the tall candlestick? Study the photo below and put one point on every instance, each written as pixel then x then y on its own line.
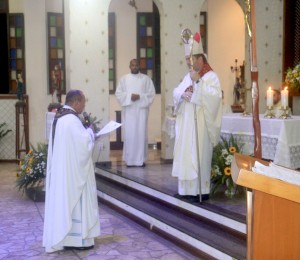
pixel 270 97
pixel 284 97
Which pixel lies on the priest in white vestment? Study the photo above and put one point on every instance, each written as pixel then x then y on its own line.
pixel 198 96
pixel 71 207
pixel 135 93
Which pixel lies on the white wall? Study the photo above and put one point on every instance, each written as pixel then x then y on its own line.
pixel 36 68
pixel 125 51
pixel 269 45
pixel 226 41
pixel 88 56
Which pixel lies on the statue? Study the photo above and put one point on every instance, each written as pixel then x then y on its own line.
pixel 56 87
pixel 238 89
pixel 20 87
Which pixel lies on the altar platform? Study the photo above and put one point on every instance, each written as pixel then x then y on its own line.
pixel 215 228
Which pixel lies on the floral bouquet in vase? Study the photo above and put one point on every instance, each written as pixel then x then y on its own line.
pixel 292 78
pixel 221 166
pixel 32 169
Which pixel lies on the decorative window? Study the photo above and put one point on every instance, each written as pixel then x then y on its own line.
pixel 56 54
pixel 147 52
pixel 16 50
pixel 112 52
pixel 3 6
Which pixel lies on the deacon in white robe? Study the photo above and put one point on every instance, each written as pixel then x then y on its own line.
pixel 71 206
pixel 135 93
pixel 200 98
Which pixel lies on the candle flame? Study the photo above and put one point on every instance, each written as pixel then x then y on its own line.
pixel 270 88
pixel 286 88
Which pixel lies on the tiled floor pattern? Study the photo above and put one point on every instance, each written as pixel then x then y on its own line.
pixel 21 229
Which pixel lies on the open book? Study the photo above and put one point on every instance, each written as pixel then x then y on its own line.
pixel 109 127
pixel 278 172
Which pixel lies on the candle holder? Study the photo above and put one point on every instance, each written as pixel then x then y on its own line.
pixel 270 113
pixel 245 113
pixel 285 114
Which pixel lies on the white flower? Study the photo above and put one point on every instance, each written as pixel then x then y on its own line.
pixel 224 152
pixel 229 159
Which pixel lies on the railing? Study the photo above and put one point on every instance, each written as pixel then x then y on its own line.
pixel 17 141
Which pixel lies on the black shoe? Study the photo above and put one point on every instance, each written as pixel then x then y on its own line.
pixel 193 198
pixel 196 198
pixel 143 165
pixel 177 196
pixel 181 197
pixel 78 248
pixel 205 197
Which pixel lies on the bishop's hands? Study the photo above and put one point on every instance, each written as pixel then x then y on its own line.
pixel 135 97
pixel 187 96
pixel 194 75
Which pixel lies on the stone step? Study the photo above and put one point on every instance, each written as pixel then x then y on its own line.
pixel 195 227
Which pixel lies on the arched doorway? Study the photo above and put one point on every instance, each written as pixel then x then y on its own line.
pixel 134 32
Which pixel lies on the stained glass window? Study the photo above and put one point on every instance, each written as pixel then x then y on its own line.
pixel 112 52
pixel 148 46
pixel 16 50
pixel 56 54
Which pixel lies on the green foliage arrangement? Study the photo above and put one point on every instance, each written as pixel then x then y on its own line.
pixel 32 169
pixel 93 120
pixel 221 166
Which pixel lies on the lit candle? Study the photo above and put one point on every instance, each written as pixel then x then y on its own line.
pixel 284 97
pixel 270 97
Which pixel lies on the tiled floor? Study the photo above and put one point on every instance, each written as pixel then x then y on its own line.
pixel 21 229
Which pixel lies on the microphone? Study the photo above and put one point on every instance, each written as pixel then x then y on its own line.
pixel 86 118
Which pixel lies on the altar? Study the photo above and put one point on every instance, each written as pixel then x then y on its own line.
pixel 280 138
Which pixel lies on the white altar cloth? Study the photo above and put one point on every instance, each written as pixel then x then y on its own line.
pixel 280 138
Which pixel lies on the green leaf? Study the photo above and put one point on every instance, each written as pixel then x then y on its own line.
pixel 3 131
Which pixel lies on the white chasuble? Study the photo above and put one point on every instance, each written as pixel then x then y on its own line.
pixel 71 206
pixel 135 116
pixel 206 107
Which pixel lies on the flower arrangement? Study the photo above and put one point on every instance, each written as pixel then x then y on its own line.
pixel 32 169
pixel 221 166
pixel 93 121
pixel 292 78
